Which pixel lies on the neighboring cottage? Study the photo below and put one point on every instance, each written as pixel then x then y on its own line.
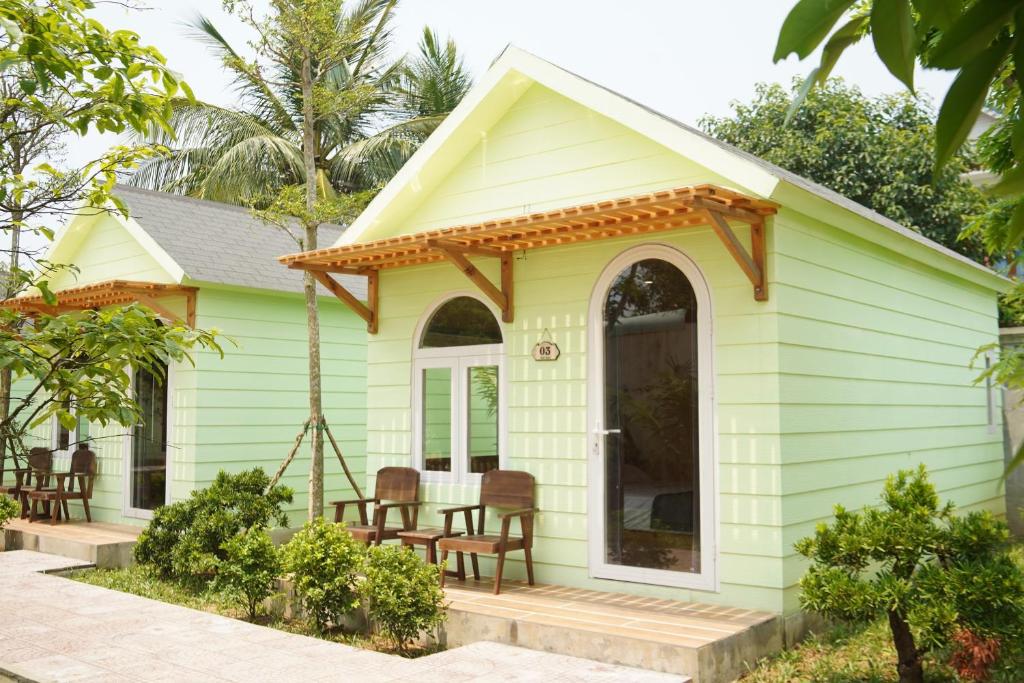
pixel 696 353
pixel 212 264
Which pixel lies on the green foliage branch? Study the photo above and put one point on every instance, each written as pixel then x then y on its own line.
pixel 249 571
pixel 324 562
pixel 929 572
pixel 188 540
pixel 403 595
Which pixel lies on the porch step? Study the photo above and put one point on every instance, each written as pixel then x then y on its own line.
pixel 706 642
pixel 104 545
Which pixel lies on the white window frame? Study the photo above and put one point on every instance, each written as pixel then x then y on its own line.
pixel 126 465
pixel 708 577
pixel 459 359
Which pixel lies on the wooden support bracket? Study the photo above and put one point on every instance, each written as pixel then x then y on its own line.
pixel 369 314
pixel 753 265
pixel 502 297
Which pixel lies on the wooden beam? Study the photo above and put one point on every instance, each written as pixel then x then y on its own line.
pixel 157 307
pixel 190 309
pixel 373 300
pixel 500 298
pixel 331 268
pixel 753 270
pixel 475 250
pixel 335 288
pixel 757 244
pixel 507 280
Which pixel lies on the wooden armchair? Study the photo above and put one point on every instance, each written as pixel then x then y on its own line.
pixel 397 487
pixel 505 489
pixel 40 462
pixel 82 471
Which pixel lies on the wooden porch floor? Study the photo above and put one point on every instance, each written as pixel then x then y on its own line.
pixel 89 533
pixel 670 622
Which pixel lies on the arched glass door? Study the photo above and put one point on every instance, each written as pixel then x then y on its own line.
pixel 651 423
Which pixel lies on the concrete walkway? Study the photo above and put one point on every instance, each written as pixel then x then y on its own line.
pixel 64 630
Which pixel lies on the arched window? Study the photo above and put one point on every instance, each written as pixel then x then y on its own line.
pixel 458 402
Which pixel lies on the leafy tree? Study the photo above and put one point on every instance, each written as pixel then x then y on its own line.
pixel 250 570
pixel 9 509
pixel 403 594
pixel 324 562
pixel 186 540
pixel 303 148
pixel 931 573
pixel 877 152
pixel 62 73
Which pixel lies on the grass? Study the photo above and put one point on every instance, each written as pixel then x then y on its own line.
pixel 140 580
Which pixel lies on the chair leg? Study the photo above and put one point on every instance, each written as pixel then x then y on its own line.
pixel 55 510
pixel 461 566
pixel 444 558
pixel 529 565
pixel 498 570
pixel 67 514
pixel 85 506
pixel 32 513
pixel 476 566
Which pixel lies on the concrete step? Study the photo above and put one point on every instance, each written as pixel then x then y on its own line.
pixel 104 545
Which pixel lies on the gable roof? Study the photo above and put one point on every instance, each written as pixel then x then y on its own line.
pixel 516 70
pixel 201 241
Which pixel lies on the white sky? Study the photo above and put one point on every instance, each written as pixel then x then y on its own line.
pixel 684 58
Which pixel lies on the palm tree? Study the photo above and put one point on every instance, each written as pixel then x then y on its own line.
pixel 247 154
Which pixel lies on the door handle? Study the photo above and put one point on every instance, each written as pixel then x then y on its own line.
pixel 606 432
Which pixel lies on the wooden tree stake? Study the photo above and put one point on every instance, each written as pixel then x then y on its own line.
pixel 341 459
pixel 291 456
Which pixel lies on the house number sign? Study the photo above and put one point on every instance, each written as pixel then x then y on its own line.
pixel 546 349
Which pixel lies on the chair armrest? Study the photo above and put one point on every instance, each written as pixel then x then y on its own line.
pixel 388 506
pixel 464 508
pixel 518 513
pixel 354 501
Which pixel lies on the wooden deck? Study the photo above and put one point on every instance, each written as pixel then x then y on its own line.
pixel 707 642
pixel 99 543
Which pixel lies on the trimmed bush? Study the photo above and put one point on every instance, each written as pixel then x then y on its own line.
pixel 325 562
pixel 932 574
pixel 248 573
pixel 9 509
pixel 186 540
pixel 403 594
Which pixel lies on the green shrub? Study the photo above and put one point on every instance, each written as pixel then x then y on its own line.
pixel 403 594
pixel 325 562
pixel 186 540
pixel 9 509
pixel 248 573
pixel 929 573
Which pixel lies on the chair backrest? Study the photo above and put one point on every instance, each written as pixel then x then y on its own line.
pixel 83 461
pixel 507 489
pixel 400 484
pixel 40 459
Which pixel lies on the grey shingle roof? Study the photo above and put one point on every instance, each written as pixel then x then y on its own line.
pixel 223 244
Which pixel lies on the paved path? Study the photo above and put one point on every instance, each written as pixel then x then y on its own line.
pixel 87 633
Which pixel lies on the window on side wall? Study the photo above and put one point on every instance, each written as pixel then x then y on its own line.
pixel 458 401
pixel 66 440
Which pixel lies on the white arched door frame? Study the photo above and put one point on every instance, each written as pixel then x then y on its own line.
pixel 707 579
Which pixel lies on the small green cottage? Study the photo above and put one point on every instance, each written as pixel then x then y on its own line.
pixel 213 265
pixel 696 353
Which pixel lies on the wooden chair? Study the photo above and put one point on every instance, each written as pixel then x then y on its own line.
pixel 83 470
pixel 40 462
pixel 502 489
pixel 397 487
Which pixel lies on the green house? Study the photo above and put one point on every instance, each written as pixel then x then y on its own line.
pixel 212 264
pixel 695 353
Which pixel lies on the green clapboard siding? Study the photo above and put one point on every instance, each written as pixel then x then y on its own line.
pixel 242 410
pixel 857 364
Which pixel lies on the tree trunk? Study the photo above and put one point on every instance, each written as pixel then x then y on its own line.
pixel 5 374
pixel 909 663
pixel 316 464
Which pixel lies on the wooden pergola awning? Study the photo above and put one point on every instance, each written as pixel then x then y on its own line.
pixel 640 214
pixel 110 293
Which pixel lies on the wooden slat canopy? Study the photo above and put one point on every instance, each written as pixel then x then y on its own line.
pixel 640 214
pixel 110 293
